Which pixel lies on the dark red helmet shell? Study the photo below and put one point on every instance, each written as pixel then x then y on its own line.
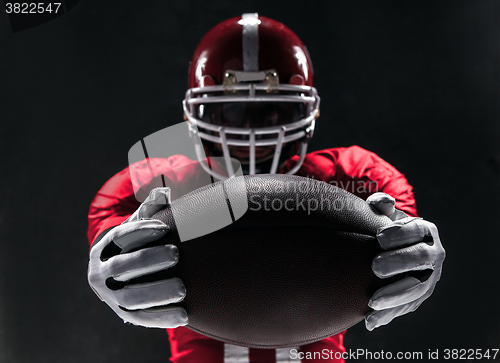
pixel 279 48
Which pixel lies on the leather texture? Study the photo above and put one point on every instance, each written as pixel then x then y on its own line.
pixel 278 276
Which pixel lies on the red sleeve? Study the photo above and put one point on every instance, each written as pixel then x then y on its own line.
pixel 113 203
pixel 360 172
pixel 121 195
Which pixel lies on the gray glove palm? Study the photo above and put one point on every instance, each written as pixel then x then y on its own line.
pixel 412 245
pixel 144 304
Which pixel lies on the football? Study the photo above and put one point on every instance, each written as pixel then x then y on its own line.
pixel 273 261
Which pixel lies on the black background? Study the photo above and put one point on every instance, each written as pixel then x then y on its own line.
pixel 414 81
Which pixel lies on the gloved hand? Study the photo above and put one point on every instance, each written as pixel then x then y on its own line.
pixel 413 247
pixel 144 304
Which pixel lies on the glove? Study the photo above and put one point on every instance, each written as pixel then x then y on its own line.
pixel 413 247
pixel 109 273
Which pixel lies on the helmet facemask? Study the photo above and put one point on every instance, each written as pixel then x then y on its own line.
pixel 253 118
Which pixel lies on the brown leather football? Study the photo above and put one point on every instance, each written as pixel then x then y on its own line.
pixel 293 268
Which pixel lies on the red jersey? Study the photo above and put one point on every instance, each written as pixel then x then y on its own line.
pixel 354 169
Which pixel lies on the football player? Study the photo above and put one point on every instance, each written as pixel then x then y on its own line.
pixel 251 98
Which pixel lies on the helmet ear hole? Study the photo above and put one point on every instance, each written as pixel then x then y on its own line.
pixel 206 81
pixel 297 79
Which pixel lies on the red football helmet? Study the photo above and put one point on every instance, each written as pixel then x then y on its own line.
pixel 251 95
